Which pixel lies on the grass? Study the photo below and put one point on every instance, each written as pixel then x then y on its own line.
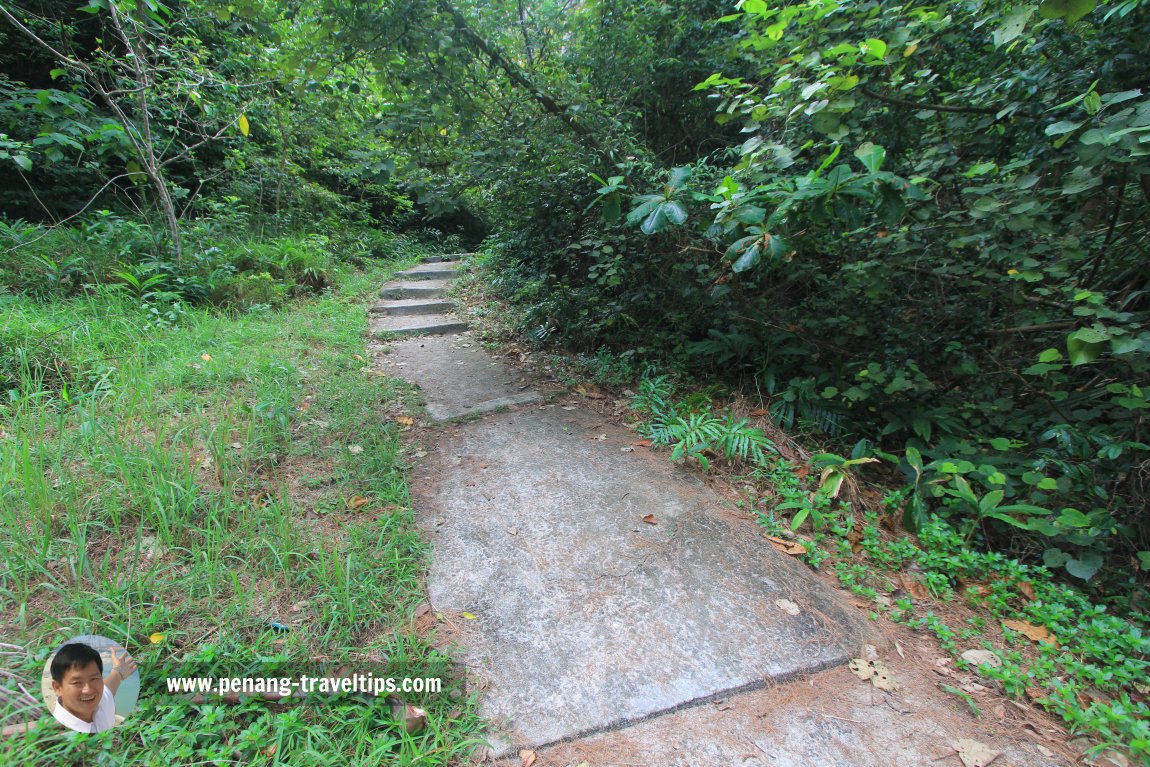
pixel 224 495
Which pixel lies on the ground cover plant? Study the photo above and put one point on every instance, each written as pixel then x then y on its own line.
pixel 1055 647
pixel 225 496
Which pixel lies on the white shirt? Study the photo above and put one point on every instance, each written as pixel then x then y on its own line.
pixel 104 718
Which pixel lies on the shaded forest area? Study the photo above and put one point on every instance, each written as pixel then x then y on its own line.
pixel 919 233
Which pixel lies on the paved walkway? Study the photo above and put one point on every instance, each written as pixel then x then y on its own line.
pixel 615 609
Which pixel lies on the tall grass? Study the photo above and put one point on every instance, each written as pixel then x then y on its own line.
pixel 183 490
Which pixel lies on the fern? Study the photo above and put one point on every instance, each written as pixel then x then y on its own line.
pixel 692 432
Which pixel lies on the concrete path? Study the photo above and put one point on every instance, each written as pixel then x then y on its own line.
pixel 610 603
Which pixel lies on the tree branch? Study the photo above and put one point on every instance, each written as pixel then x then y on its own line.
pixel 515 74
pixel 941 107
pixel 1060 325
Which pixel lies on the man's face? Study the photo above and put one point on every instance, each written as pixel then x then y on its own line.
pixel 80 691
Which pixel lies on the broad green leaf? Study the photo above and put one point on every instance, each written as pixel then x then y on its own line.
pixel 1062 126
pixel 1050 355
pixel 674 212
pixel 1071 10
pixel 23 161
pixel 1086 566
pixel 1073 518
pixel 1081 179
pixel 749 258
pixel 874 47
pixel 1012 26
pixel 679 177
pixel 990 501
pixel 871 155
pixel 1000 443
pixel 1082 352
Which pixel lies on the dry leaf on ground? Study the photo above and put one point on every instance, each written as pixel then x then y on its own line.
pixel 590 392
pixel 875 671
pixel 356 502
pixel 1032 632
pixel 975 754
pixel 405 420
pixel 794 548
pixel 912 586
pixel 650 519
pixel 982 658
pixel 526 758
pixel 787 606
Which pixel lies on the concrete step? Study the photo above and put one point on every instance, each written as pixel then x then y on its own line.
pixel 443 270
pixel 417 325
pixel 413 289
pixel 406 307
pixel 445 257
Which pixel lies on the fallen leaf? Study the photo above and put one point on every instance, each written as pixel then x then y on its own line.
pixel 526 758
pixel 1026 589
pixel 794 548
pixel 469 616
pixel 298 606
pixel 787 606
pixel 855 538
pixel 270 750
pixel 355 449
pixel 304 407
pixel 206 357
pixel 568 407
pixel 650 519
pixel 975 754
pixel 405 420
pixel 590 392
pixel 912 586
pixel 1036 694
pixel 642 443
pixel 882 678
pixel 156 638
pixel 207 462
pixel 861 668
pixel 359 357
pixel 1031 632
pixel 238 445
pixel 982 658
pixel 758 413
pixel 356 502
pixel 876 671
pixel 898 648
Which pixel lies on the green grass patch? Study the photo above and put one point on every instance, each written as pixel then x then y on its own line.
pixel 222 495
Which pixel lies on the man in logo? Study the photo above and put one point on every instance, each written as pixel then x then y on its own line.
pixel 84 696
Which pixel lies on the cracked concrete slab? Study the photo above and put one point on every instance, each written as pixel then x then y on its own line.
pixel 457 377
pixel 587 616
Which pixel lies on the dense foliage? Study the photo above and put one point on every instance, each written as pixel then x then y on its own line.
pixel 919 232
pixel 926 241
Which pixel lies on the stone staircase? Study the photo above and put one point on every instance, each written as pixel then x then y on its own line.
pixel 414 303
